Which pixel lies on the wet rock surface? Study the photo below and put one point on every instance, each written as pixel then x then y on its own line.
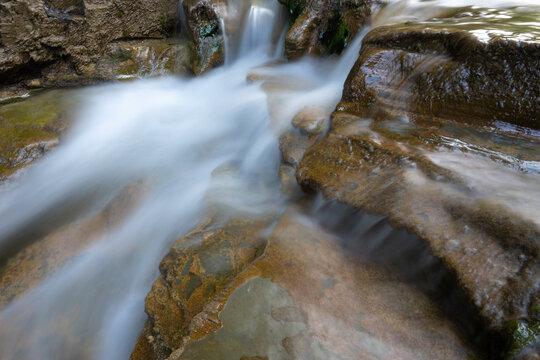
pixel 435 129
pixel 47 255
pixel 205 26
pixel 61 42
pixel 31 127
pixel 145 58
pixel 305 298
pixel 475 70
pixel 199 267
pixel 323 27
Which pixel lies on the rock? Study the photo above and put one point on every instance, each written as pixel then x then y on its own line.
pixel 204 23
pixel 61 40
pixel 289 186
pixel 44 256
pixel 394 148
pixel 451 68
pixel 490 242
pixel 198 268
pixel 144 58
pixel 34 84
pixel 30 128
pixel 307 298
pixel 310 121
pixel 323 27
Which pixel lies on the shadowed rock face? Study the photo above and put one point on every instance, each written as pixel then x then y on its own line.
pixel 321 27
pixel 204 23
pixel 62 40
pixel 434 131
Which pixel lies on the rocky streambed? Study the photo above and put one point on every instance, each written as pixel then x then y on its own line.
pixel 408 224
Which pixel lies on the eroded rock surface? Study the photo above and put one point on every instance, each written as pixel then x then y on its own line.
pixel 61 41
pixel 205 25
pixel 480 70
pixel 322 27
pixel 435 130
pixel 306 298
pixel 197 269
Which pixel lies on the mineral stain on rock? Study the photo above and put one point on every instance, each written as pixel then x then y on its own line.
pixel 249 329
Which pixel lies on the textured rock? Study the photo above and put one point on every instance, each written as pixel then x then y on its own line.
pixel 204 23
pixel 198 268
pixel 489 242
pixel 30 128
pixel 144 58
pixel 323 26
pixel 62 40
pixel 394 148
pixel 307 298
pixel 451 68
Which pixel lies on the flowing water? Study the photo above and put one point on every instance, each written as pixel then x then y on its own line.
pixel 184 144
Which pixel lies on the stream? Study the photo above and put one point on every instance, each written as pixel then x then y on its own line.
pixel 168 151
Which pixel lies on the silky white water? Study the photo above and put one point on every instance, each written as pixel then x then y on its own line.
pixel 171 135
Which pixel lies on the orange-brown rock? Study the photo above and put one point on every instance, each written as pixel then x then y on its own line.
pixel 198 268
pixel 307 298
pixel 435 129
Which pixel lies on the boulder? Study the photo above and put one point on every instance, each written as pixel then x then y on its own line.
pixel 198 268
pixel 204 21
pixel 323 27
pixel 448 68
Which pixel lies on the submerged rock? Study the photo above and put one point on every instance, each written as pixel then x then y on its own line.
pixel 323 27
pixel 46 255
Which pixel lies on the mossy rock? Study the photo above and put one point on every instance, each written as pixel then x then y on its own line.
pixel 294 7
pixel 521 335
pixel 38 119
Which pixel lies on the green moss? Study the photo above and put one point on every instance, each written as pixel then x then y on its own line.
pixel 295 8
pixel 209 29
pixel 121 55
pixel 534 311
pixel 335 37
pixel 521 335
pixel 39 118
